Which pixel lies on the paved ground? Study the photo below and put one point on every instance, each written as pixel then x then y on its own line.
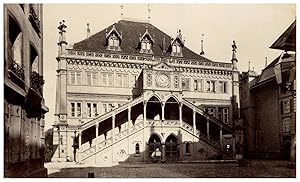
pixel 194 170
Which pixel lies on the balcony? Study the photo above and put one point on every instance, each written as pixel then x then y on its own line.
pixel 36 82
pixel 16 73
pixel 34 19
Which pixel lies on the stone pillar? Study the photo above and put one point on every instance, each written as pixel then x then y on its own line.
pixel 163 111
pixel 129 125
pixel 180 114
pixel 97 134
pixel 145 112
pixel 129 119
pixel 194 122
pixel 207 129
pixel 113 136
pixel 221 136
pixel 79 146
pixel 163 152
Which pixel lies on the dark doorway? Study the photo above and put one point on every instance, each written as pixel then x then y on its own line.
pixel 171 148
pixel 154 145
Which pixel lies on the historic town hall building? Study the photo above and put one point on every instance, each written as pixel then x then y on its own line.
pixel 130 92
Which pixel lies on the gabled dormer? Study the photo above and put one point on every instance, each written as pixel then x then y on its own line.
pixel 113 39
pixel 146 43
pixel 177 45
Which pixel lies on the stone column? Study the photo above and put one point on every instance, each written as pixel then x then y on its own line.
pixel 163 111
pixel 79 146
pixel 207 129
pixel 221 136
pixel 145 112
pixel 97 134
pixel 129 125
pixel 113 136
pixel 163 152
pixel 180 114
pixel 194 121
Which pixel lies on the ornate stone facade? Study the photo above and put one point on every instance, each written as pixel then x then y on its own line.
pixel 116 105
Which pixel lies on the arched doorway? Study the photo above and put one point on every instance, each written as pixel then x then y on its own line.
pixel 171 148
pixel 154 143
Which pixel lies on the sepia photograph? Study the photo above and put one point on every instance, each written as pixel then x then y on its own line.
pixel 149 90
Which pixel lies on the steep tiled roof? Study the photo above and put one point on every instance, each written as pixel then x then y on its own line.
pixel 131 31
pixel 268 72
pixel 287 40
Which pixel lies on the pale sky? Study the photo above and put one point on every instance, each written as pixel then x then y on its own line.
pixel 253 27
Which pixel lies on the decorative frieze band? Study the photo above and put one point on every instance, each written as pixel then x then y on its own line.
pixel 148 58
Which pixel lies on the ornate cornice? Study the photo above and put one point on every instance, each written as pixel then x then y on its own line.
pixel 145 59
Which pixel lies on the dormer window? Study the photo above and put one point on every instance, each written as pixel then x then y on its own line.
pixel 177 45
pixel 146 42
pixel 113 40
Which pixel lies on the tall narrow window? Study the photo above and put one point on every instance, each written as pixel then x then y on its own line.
pixel 195 84
pixel 89 110
pixel 125 80
pixel 78 78
pixel 119 80
pixel 210 86
pixel 95 113
pixel 185 84
pixel 72 109
pixel 286 125
pixel 104 108
pixel 222 87
pixel 104 79
pixel 212 111
pixel 200 87
pixel 225 115
pixel 72 78
pixel 110 79
pixel 78 109
pixel 137 148
pixel 94 78
pixel 88 78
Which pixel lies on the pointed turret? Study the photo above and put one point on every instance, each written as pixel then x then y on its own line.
pixel 62 42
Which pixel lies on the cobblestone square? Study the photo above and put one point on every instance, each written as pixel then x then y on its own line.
pixel 258 169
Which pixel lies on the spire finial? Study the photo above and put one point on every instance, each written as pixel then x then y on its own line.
pixel 234 47
pixel 149 13
pixel 202 52
pixel 122 11
pixel 249 66
pixel 88 30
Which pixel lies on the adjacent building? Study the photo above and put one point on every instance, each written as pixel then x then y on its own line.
pixel 269 109
pixel 131 92
pixel 24 106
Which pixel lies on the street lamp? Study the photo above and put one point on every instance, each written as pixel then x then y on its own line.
pixel 285 72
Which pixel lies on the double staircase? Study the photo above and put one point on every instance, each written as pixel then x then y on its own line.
pixel 101 143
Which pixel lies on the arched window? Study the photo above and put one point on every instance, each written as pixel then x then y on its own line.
pixel 15 42
pixel 137 148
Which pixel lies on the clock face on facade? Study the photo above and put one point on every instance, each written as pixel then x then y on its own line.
pixel 162 80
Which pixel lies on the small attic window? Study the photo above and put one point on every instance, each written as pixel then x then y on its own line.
pixel 176 49
pixel 113 42
pixel 113 39
pixel 146 43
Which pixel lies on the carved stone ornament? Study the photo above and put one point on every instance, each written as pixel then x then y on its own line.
pixel 162 80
